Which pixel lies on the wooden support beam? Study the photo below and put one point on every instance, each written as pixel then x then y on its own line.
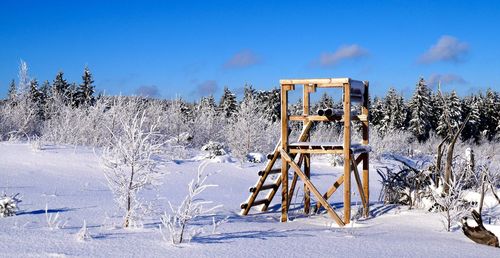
pixel 315 151
pixel 358 183
pixel 294 181
pixel 331 190
pixel 313 189
pixel 307 192
pixel 284 146
pixel 347 153
pixel 333 82
pixel 366 156
pixel 334 118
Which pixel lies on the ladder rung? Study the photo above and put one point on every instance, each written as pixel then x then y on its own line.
pixel 272 171
pixel 271 156
pixel 264 187
pixel 255 203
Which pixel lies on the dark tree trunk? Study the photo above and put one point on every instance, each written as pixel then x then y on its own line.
pixel 479 234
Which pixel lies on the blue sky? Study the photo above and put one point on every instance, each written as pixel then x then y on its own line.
pixel 193 48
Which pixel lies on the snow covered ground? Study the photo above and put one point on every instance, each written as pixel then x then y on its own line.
pixel 70 181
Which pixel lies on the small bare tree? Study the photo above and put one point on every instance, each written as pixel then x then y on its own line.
pixel 129 162
pixel 450 200
pixel 176 222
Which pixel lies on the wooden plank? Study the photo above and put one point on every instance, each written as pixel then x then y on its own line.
pixel 331 190
pixel 366 156
pixel 313 189
pixel 262 188
pixel 318 118
pixel 294 181
pixel 255 203
pixel 326 81
pixel 269 172
pixel 307 192
pixel 315 151
pixel 358 183
pixel 284 146
pixel 305 101
pixel 347 153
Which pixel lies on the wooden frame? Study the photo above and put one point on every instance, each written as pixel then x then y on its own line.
pixel 353 91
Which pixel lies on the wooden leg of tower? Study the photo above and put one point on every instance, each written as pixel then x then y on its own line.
pixel 366 158
pixel 347 153
pixel 284 191
pixel 307 192
pixel 366 184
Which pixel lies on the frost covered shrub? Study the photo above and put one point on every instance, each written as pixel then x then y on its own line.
pixel 255 157
pixel 8 205
pixel 83 234
pixel 214 149
pixel 451 205
pixel 178 221
pixel 129 162
pixel 251 131
pixel 396 142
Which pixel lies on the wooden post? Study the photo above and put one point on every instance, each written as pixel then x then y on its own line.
pixel 307 192
pixel 284 146
pixel 347 153
pixel 307 157
pixel 366 158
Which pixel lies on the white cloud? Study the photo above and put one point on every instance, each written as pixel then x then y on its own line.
pixel 342 53
pixel 242 59
pixel 446 79
pixel 147 91
pixel 447 49
pixel 207 88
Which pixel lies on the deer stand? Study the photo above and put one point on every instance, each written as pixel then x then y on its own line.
pixel 296 155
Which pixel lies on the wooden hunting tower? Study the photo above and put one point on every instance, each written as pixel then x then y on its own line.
pixel 294 154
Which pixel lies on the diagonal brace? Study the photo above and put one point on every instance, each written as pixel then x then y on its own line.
pixel 313 189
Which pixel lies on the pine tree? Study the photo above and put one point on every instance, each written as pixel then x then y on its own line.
pixel 450 119
pixel 437 109
pixel 85 91
pixel 471 105
pixel 270 104
pixel 490 115
pixel 395 111
pixel 420 111
pixel 248 91
pixel 12 93
pixel 228 105
pixel 45 98
pixel 34 93
pixel 61 88
pixel 376 112
pixel 324 102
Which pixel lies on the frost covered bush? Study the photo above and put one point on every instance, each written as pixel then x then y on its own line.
pixel 178 221
pixel 451 205
pixel 395 142
pixel 53 220
pixel 129 163
pixel 251 131
pixel 214 149
pixel 83 234
pixel 8 205
pixel 255 157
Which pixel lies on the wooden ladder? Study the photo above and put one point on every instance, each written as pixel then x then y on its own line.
pixel 273 185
